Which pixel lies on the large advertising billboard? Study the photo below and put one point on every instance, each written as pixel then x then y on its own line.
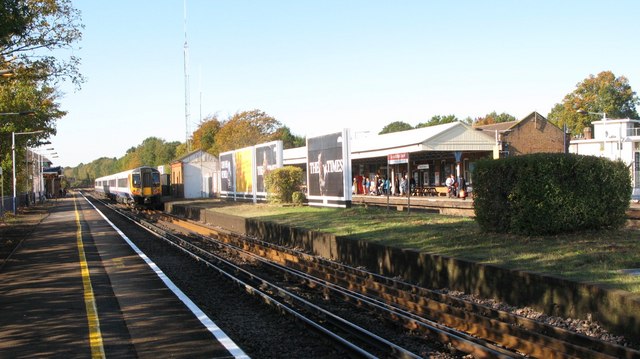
pixel 268 158
pixel 242 171
pixel 227 178
pixel 329 169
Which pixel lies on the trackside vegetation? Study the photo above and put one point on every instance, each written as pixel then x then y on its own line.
pixel 283 185
pixel 550 193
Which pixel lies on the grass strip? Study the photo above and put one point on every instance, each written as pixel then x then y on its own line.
pixel 589 256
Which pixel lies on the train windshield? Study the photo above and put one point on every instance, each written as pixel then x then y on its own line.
pixel 136 180
pixel 155 177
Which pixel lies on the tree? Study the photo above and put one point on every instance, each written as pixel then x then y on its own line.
pixel 604 93
pixel 396 126
pixel 13 20
pixel 151 152
pixel 289 140
pixel 438 120
pixel 204 137
pixel 22 96
pixel 492 118
pixel 245 129
pixel 31 30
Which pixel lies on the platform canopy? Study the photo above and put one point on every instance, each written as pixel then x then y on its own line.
pixel 454 136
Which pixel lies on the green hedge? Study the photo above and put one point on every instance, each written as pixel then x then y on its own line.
pixel 281 184
pixel 550 193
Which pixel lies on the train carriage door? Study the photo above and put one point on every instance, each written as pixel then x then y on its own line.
pixel 146 183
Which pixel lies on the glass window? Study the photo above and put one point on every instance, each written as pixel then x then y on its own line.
pixel 136 180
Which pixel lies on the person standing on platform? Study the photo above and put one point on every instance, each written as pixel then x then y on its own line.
pixel 451 185
pixel 462 187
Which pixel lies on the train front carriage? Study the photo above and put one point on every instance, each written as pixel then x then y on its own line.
pixel 145 186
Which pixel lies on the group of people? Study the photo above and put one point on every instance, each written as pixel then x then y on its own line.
pixel 456 187
pixel 379 186
pixel 376 186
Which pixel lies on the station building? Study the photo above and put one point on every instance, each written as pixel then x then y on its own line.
pixel 426 156
pixel 616 139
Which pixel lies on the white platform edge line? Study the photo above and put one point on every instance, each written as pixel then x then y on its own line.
pixel 202 317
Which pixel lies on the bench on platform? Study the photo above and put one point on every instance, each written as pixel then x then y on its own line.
pixel 442 191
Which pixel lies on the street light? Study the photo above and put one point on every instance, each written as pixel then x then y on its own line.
pixel 21 113
pixel 6 73
pixel 13 160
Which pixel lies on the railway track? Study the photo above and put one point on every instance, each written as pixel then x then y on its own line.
pixel 310 288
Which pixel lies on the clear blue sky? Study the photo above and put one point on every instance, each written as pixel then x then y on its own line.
pixel 320 66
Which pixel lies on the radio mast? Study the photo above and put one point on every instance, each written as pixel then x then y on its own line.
pixel 187 104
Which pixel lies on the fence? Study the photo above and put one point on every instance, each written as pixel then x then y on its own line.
pixel 21 201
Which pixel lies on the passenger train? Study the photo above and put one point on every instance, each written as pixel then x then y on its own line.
pixel 138 187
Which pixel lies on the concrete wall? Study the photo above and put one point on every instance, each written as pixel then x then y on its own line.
pixel 619 311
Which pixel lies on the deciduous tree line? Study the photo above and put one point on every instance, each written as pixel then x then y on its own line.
pixel 31 32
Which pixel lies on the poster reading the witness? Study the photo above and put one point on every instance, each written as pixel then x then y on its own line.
pixel 226 174
pixel 329 169
pixel 268 158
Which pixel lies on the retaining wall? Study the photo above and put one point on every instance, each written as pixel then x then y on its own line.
pixel 617 310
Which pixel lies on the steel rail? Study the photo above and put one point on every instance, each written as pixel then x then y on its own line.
pixel 520 333
pixel 258 289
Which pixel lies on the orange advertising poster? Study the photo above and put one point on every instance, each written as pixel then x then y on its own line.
pixel 244 169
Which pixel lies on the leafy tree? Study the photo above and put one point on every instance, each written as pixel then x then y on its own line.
pixel 604 93
pixel 204 137
pixel 13 20
pixel 396 126
pixel 289 140
pixel 438 120
pixel 31 30
pixel 22 96
pixel 493 117
pixel 245 129
pixel 151 152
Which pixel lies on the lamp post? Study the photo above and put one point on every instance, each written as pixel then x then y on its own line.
pixel 7 73
pixel 13 160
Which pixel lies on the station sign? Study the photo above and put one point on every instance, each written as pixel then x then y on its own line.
pixel 398 158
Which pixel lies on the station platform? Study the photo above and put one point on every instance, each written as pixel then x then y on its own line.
pixel 77 289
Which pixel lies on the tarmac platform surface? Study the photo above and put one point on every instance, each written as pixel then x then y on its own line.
pixel 77 289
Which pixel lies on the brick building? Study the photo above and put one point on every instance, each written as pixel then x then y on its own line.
pixel 532 134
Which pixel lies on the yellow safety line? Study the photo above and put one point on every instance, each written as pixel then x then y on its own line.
pixel 95 336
